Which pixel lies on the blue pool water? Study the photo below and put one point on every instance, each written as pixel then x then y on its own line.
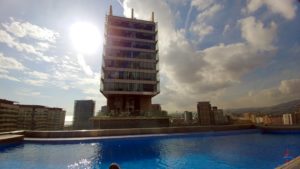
pixel 233 150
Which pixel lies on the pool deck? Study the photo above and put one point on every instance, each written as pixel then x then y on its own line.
pixel 293 164
pixel 11 138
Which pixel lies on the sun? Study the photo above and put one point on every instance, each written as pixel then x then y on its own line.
pixel 85 37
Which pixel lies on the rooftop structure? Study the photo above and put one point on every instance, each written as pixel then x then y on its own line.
pixel 129 77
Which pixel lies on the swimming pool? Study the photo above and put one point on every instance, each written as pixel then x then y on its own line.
pixel 246 149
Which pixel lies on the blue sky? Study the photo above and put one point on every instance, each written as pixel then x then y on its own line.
pixel 233 53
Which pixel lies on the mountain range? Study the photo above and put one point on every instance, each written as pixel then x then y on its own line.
pixel 287 107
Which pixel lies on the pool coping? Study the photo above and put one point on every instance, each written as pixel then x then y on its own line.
pixel 11 138
pixel 132 131
pixel 293 164
pixel 161 135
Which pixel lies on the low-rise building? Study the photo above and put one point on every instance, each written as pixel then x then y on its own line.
pixel 276 120
pixel 287 119
pixel 253 118
pixel 297 118
pixel 267 120
pixel 259 120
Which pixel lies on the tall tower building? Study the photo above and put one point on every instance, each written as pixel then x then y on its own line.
pixel 129 77
pixel 205 113
pixel 83 111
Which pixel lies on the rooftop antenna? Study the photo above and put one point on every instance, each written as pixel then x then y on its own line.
pixel 110 10
pixel 132 13
pixel 152 17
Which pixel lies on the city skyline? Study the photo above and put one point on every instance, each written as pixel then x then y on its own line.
pixel 232 53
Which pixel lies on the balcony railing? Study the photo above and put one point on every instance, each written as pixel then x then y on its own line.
pixel 131 23
pixel 131 49
pixel 107 52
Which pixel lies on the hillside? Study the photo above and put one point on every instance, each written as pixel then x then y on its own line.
pixel 286 107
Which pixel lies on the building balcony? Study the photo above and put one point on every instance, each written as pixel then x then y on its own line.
pixel 130 38
pixel 129 81
pixel 106 93
pixel 130 59
pixel 131 49
pixel 130 29
pixel 129 69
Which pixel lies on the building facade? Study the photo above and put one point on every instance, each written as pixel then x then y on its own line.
pixel 83 111
pixel 56 118
pixel 205 113
pixel 8 115
pixel 29 117
pixel 287 119
pixel 129 77
pixel 188 117
pixel 220 119
pixel 37 117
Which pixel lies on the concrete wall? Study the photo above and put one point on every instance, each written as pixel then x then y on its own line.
pixel 113 123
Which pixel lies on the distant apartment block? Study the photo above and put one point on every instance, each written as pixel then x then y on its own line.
pixel 30 117
pixel 287 119
pixel 8 115
pixel 297 117
pixel 155 108
pixel 37 117
pixel 205 113
pixel 103 109
pixel 129 77
pixel 219 116
pixel 83 111
pixel 210 115
pixel 188 117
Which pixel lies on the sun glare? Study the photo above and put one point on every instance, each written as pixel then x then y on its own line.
pixel 85 37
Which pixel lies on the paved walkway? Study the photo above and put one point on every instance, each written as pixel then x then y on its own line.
pixel 293 164
pixel 11 138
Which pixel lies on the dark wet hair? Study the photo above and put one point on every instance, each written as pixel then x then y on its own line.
pixel 114 166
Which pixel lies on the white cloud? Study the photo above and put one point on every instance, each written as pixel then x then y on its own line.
pixel 26 92
pixel 202 29
pixel 43 46
pixel 200 26
pixel 226 28
pixel 190 75
pixel 285 91
pixel 38 75
pixel 3 71
pixel 8 77
pixel 202 4
pixel 257 34
pixel 286 8
pixel 36 82
pixel 290 86
pixel 24 29
pixel 10 63
pixel 23 47
pixel 86 68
